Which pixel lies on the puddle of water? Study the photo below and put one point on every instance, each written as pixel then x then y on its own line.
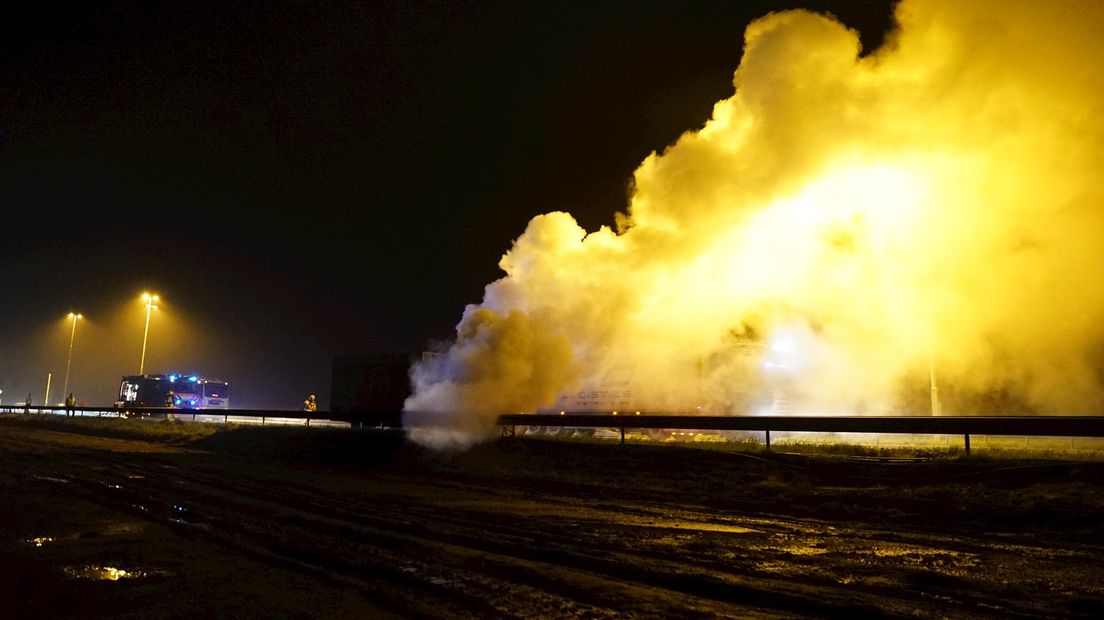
pixel 717 527
pixel 50 479
pixel 796 527
pixel 775 567
pixel 868 580
pixel 802 550
pixel 949 561
pixel 39 541
pixel 691 526
pixel 108 573
pixel 901 550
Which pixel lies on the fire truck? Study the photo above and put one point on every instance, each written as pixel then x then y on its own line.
pixel 174 390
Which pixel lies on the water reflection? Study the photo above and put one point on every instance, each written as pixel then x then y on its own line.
pixel 799 549
pixel 102 573
pixel 50 479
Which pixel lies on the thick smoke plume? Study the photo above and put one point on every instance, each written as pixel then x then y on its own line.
pixel 846 222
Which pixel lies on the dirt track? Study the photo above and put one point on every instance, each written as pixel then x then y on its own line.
pixel 276 523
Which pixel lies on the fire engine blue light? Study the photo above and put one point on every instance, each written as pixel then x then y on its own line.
pixel 193 379
pixel 192 402
pixel 172 377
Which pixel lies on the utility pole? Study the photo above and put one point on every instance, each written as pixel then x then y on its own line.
pixel 46 402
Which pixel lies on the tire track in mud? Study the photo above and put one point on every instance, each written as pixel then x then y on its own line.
pixel 434 548
pixel 456 545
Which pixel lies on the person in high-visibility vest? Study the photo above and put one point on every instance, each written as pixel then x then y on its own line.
pixel 310 404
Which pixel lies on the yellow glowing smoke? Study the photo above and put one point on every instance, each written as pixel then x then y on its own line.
pixel 938 199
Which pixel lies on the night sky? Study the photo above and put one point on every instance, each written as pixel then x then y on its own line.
pixel 303 180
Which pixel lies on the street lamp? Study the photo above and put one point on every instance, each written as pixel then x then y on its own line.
pixel 69 361
pixel 151 304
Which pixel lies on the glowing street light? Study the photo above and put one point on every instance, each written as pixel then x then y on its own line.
pixel 69 360
pixel 151 304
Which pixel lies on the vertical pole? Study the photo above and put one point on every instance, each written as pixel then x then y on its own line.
pixel 936 406
pixel 967 443
pixel 69 360
pixel 46 401
pixel 622 434
pixel 768 439
pixel 145 337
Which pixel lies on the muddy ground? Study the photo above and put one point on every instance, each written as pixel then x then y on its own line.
pixel 305 523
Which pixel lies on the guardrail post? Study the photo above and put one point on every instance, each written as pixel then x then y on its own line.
pixel 768 440
pixel 308 420
pixel 622 434
pixel 225 418
pixel 967 443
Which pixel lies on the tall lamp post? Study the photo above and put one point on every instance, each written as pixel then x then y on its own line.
pixel 69 360
pixel 151 305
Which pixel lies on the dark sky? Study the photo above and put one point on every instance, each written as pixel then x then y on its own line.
pixel 302 180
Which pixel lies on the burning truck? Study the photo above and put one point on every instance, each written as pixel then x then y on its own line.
pixel 745 375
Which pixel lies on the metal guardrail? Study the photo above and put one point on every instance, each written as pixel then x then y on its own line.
pixel 1023 425
pixel 1037 426
pixel 354 418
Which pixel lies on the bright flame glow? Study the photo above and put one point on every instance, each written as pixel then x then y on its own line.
pixel 840 220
